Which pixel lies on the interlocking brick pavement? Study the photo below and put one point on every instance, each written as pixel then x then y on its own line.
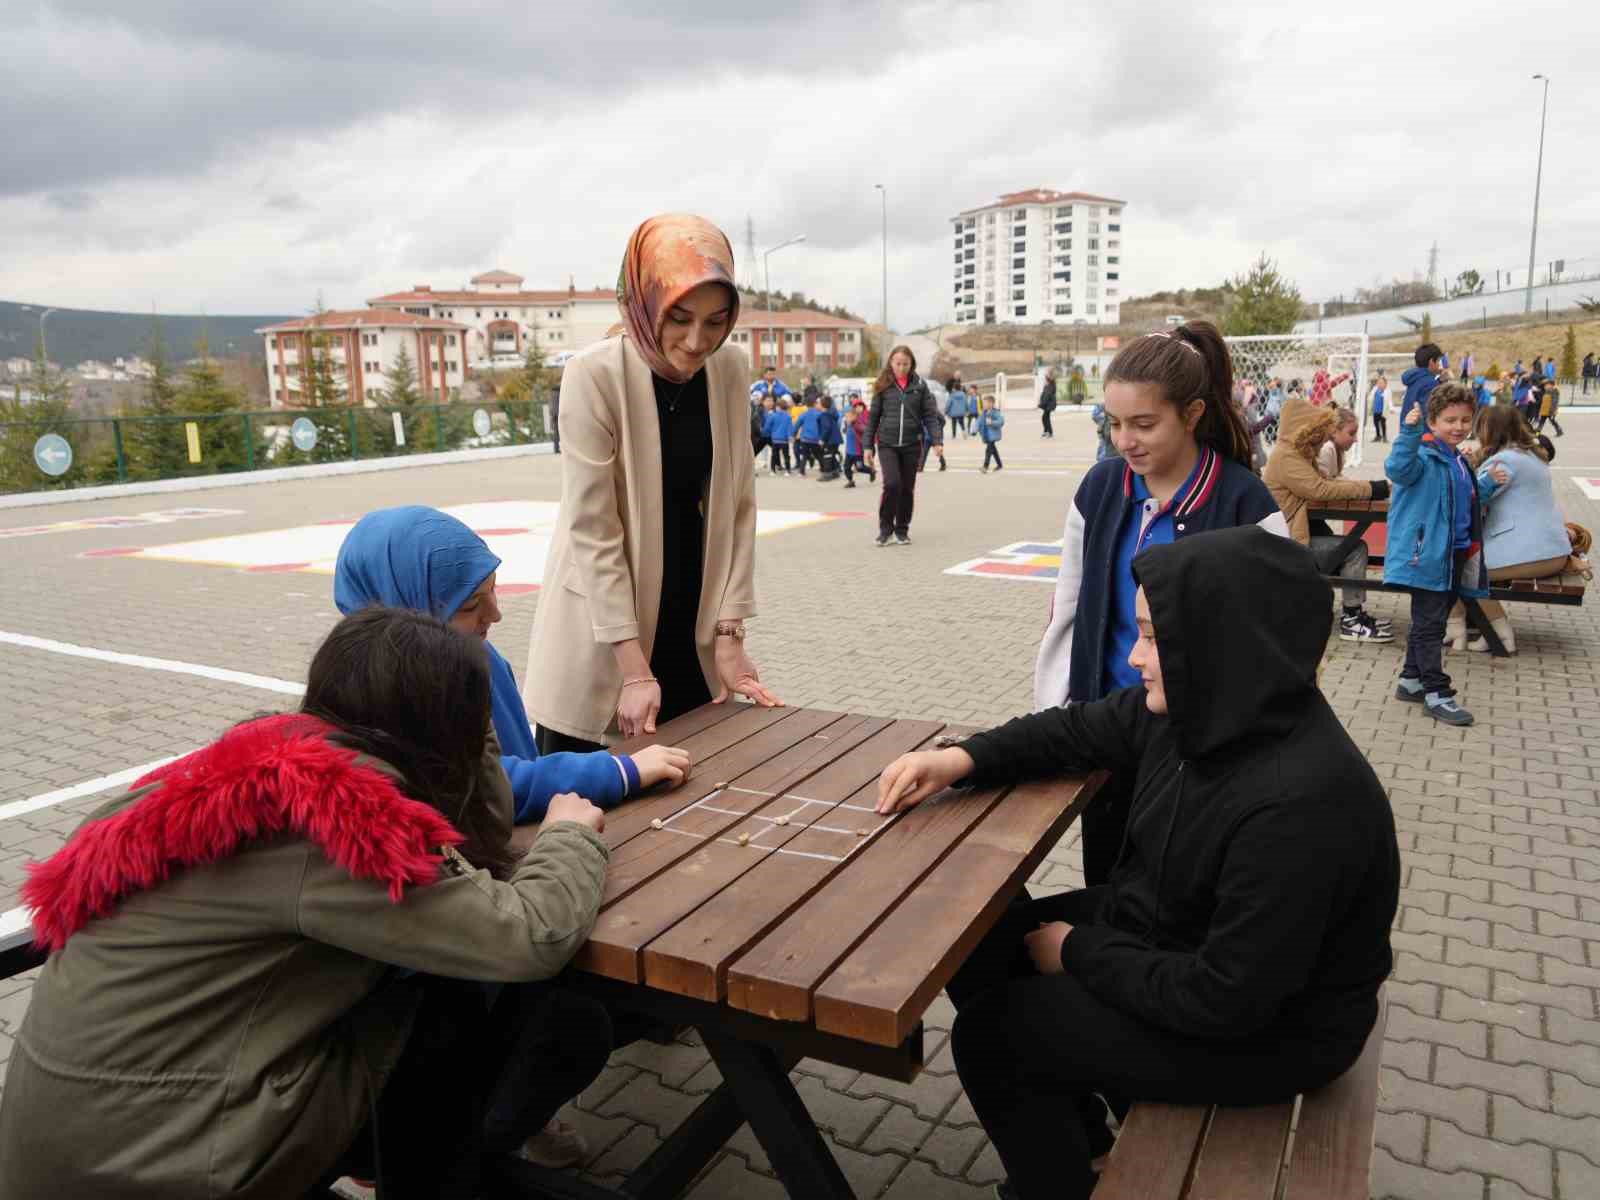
pixel 1491 1072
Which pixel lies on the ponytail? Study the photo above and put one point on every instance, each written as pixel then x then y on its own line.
pixel 1191 362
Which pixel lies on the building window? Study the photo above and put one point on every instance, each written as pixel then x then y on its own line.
pixel 1111 274
pixel 1089 307
pixel 1094 260
pixel 793 338
pixel 1062 275
pixel 1063 310
pixel 1063 226
pixel 958 257
pixel 969 269
pixel 1094 243
pixel 1110 292
pixel 1112 260
pixel 1113 228
pixel 1116 212
pixel 1113 243
pixel 1019 294
pixel 1021 310
pixel 1019 262
pixel 1019 277
pixel 1019 247
pixel 848 335
pixel 1064 211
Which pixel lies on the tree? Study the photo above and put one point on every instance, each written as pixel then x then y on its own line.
pixel 216 409
pixel 1568 370
pixel 322 390
pixel 400 382
pixel 1263 302
pixel 1427 327
pixel 24 421
pixel 1468 283
pixel 154 446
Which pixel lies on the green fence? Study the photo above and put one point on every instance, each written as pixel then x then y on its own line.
pixel 129 449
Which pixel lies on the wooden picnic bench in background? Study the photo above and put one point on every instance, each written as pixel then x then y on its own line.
pixel 1315 1147
pixel 1557 589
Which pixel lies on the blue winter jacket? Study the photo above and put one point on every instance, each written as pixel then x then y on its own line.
pixel 828 427
pixel 810 429
pixel 1419 382
pixel 990 422
pixel 956 406
pixel 422 559
pixel 778 426
pixel 1422 510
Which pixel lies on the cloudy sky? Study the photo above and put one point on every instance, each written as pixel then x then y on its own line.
pixel 233 158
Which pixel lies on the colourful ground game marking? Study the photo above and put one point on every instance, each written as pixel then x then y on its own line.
pixel 1589 487
pixel 519 531
pixel 1032 562
pixel 165 516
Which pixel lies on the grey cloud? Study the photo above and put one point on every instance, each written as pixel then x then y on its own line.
pixel 70 202
pixel 286 202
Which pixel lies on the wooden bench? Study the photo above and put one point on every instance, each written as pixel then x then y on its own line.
pixel 17 951
pixel 1557 589
pixel 1316 1147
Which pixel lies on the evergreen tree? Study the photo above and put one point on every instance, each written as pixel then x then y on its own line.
pixel 1263 302
pixel 216 408
pixel 155 448
pixel 322 391
pixel 1427 327
pixel 1568 369
pixel 400 382
pixel 24 422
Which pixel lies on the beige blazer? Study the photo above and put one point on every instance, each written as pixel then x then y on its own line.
pixel 602 580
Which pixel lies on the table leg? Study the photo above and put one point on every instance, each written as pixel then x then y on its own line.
pixel 1480 622
pixel 778 1117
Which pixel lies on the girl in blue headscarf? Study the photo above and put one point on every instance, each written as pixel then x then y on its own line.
pixel 420 558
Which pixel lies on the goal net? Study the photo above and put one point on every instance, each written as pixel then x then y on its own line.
pixel 1296 358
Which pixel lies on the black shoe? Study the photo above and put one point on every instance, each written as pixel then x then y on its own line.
pixel 883 540
pixel 1401 692
pixel 850 483
pixel 941 464
pixel 902 539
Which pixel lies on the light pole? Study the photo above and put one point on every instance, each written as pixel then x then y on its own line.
pixel 883 349
pixel 1538 176
pixel 43 348
pixel 767 279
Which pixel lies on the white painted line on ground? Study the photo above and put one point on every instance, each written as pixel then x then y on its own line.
pixel 265 682
pixel 78 790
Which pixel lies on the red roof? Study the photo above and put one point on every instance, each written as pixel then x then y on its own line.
pixel 799 318
pixel 429 296
pixel 1044 196
pixel 362 318
pixel 497 276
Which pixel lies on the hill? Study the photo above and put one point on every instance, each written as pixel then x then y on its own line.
pixel 76 335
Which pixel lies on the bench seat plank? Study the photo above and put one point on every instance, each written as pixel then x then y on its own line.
pixel 1155 1153
pixel 1332 1154
pixel 1243 1153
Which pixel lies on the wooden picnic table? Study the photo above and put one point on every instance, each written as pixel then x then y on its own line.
pixel 766 904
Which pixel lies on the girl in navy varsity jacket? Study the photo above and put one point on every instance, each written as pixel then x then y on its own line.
pixel 1185 469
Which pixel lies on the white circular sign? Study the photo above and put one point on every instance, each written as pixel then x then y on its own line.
pixel 481 424
pixel 304 434
pixel 52 454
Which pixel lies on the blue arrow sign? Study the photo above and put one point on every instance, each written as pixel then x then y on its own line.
pixel 52 454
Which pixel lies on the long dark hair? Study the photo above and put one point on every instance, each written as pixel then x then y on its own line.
pixel 403 687
pixel 1188 363
pixel 886 376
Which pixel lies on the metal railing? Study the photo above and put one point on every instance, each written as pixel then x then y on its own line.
pixel 135 448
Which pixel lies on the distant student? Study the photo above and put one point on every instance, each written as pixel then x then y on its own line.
pixel 797 409
pixel 779 428
pixel 769 385
pixel 855 441
pixel 956 410
pixel 808 435
pixel 1435 541
pixel 1380 406
pixel 1047 403
pixel 990 422
pixel 1422 378
pixel 831 438
pixel 428 561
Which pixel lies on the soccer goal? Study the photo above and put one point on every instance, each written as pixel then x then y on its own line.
pixel 1297 357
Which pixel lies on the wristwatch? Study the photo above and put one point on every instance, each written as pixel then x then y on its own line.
pixel 731 629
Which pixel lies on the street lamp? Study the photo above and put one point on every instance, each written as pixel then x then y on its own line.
pixel 767 277
pixel 1538 175
pixel 43 348
pixel 883 193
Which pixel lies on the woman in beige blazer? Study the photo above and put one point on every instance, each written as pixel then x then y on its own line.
pixel 651 570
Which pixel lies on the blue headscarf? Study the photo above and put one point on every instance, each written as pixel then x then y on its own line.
pixel 410 557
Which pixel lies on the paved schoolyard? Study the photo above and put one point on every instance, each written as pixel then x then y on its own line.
pixel 1491 1084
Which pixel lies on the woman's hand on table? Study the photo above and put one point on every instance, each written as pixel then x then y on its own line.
pixel 569 806
pixel 657 763
pixel 1044 946
pixel 912 778
pixel 739 676
pixel 637 707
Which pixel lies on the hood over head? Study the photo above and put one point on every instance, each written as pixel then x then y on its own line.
pixel 1412 375
pixel 1241 621
pixel 410 557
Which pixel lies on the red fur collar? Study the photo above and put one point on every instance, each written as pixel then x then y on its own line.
pixel 278 775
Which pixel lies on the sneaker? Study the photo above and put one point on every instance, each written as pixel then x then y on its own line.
pixel 882 539
pixel 1445 709
pixel 1004 1191
pixel 872 474
pixel 902 539
pixel 941 464
pixel 1380 622
pixel 558 1144
pixel 1409 695
pixel 850 483
pixel 1362 628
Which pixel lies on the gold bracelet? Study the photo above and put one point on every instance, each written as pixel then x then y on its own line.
pixel 627 683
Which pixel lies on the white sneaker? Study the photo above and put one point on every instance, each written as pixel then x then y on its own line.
pixel 558 1144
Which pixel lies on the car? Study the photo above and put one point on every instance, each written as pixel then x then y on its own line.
pixel 560 358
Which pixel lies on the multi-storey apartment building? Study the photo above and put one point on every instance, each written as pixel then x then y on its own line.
pixel 799 337
pixel 361 345
pixel 1039 256
pixel 503 319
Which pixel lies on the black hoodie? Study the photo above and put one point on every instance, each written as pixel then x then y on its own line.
pixel 1259 874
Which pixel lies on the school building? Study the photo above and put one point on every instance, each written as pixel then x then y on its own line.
pixel 361 345
pixel 798 338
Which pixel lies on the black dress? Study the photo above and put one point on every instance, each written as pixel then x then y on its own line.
pixel 684 411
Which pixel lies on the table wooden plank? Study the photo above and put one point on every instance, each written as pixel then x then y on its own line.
pixel 1243 1153
pixel 1154 1154
pixel 883 986
pixel 777 975
pixel 765 732
pixel 673 732
pixel 664 874
pixel 692 957
pixel 1332 1154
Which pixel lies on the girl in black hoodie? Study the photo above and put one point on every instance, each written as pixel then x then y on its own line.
pixel 1236 952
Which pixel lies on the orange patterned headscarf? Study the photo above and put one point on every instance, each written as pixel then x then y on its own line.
pixel 667 258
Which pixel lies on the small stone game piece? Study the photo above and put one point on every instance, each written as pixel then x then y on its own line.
pixel 657 824
pixel 861 832
pixel 744 839
pixel 783 820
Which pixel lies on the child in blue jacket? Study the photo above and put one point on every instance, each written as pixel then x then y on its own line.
pixel 779 428
pixel 808 436
pixel 990 421
pixel 1435 540
pixel 420 558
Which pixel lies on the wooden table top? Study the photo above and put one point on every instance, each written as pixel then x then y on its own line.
pixel 767 883
pixel 1352 510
